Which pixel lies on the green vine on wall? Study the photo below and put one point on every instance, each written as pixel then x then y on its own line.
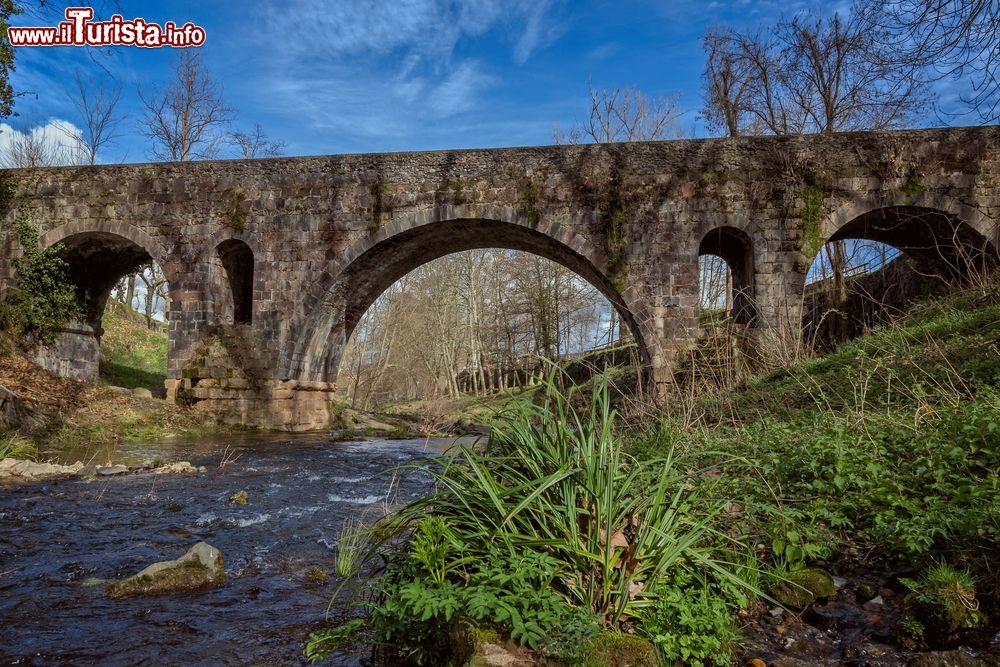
pixel 812 220
pixel 914 184
pixel 8 189
pixel 45 298
pixel 615 231
pixel 529 202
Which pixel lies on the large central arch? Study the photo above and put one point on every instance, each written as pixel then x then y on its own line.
pixel 373 265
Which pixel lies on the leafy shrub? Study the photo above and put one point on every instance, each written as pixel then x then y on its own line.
pixel 690 621
pixel 415 613
pixel 44 299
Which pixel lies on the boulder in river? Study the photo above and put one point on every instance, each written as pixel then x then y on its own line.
pixel 200 567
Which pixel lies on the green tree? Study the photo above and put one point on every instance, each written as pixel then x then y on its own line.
pixel 7 9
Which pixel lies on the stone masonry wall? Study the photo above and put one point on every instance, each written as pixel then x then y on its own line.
pixel 329 233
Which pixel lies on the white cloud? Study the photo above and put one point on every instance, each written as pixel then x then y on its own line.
pixel 54 143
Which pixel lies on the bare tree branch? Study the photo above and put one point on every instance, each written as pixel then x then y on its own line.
pixel 187 119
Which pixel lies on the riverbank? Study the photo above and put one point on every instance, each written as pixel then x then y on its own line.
pixel 842 509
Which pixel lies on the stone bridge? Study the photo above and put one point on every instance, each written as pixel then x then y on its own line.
pixel 272 262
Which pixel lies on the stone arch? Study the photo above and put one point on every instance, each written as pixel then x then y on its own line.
pixel 98 256
pixel 366 269
pixel 948 239
pixel 232 271
pixel 736 248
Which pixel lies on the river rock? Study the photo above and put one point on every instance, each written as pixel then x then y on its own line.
pixel 31 470
pixel 12 408
pixel 200 567
pixel 142 392
pixel 801 588
pixel 181 467
pixel 107 471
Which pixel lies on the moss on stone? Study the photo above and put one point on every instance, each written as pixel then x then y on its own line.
pixel 379 207
pixel 799 589
pixel 529 202
pixel 614 649
pixel 457 192
pixel 812 218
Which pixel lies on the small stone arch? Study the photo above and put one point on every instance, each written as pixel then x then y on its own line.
pixel 735 247
pixel 365 270
pixel 233 265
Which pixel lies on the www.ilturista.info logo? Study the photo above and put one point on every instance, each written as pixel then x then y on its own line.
pixel 79 30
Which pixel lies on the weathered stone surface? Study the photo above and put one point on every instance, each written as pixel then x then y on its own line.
pixel 801 588
pixel 142 392
pixel 180 467
pixel 108 471
pixel 271 263
pixel 200 567
pixel 12 408
pixel 31 470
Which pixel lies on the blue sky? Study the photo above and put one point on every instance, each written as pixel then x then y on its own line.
pixel 360 76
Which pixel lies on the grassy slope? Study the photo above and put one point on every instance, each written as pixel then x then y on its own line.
pixel 941 349
pixel 132 355
pixel 892 440
pixel 79 420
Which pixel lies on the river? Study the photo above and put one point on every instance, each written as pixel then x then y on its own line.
pixel 57 537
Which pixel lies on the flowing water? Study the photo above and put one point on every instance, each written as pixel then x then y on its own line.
pixel 56 537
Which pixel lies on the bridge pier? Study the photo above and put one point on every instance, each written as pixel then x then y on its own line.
pixel 221 381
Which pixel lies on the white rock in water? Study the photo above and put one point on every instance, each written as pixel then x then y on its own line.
pixel 200 567
pixel 112 470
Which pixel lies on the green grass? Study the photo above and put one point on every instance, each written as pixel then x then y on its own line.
pixel 891 442
pixel 13 445
pixel 132 355
pixel 941 349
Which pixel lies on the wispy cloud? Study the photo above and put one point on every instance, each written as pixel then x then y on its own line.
pixel 384 68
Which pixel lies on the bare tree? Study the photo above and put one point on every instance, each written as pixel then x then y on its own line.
pixel 256 144
pixel 186 120
pixel 951 38
pixel 813 74
pixel 839 75
pixel 37 146
pixel 624 114
pixel 727 79
pixel 95 104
